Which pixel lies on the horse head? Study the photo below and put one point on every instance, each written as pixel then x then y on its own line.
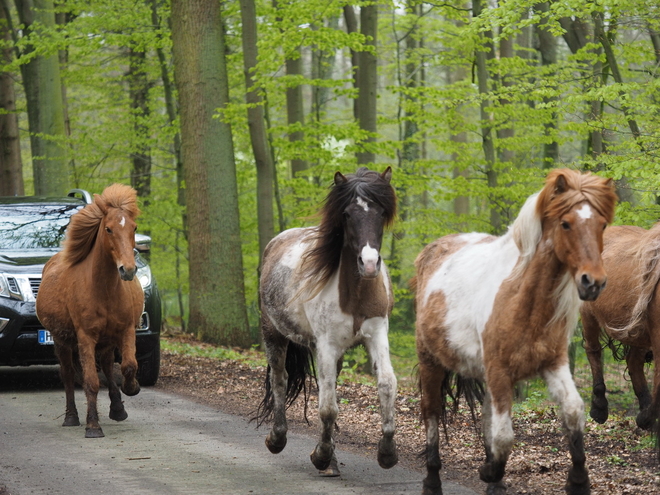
pixel 365 216
pixel 117 231
pixel 575 209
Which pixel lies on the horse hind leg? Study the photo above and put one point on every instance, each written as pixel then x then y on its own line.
pixel 117 411
pixel 431 375
pixel 274 400
pixel 635 360
pixel 67 372
pixel 86 347
pixel 562 389
pixel 599 406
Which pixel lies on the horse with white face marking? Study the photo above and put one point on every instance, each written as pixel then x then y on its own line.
pixel 502 309
pixel 326 289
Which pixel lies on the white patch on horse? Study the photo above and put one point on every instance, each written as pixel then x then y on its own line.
pixel 585 212
pixel 501 434
pixel 562 390
pixel 470 279
pixel 122 222
pixel 361 202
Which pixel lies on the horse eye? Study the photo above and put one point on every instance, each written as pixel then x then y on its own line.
pixel 107 229
pixel 565 225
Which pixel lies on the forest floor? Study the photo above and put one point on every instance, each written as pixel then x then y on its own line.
pixel 619 455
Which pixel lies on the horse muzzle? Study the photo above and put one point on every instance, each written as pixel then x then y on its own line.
pixel 589 288
pixel 127 274
pixel 369 268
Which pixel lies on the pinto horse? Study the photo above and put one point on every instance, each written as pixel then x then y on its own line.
pixel 502 309
pixel 326 289
pixel 629 311
pixel 91 302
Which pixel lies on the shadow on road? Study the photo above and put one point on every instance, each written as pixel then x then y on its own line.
pixel 30 378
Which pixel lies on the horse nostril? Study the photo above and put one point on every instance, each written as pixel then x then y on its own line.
pixel 587 281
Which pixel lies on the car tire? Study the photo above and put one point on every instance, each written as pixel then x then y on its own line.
pixel 149 368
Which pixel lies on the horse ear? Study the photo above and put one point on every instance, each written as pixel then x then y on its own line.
pixel 340 178
pixel 560 184
pixel 387 175
pixel 98 201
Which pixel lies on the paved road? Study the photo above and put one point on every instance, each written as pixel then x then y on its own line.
pixel 168 445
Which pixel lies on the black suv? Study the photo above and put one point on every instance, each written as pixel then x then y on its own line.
pixel 31 231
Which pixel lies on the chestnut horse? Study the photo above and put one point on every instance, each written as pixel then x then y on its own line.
pixel 326 289
pixel 502 309
pixel 629 311
pixel 91 302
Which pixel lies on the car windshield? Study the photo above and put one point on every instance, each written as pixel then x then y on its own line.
pixel 34 226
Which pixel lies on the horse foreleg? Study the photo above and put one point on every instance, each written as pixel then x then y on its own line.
pixel 431 375
pixel 635 361
pixel 326 360
pixel 378 348
pixel 129 365
pixel 599 407
pixel 498 432
pixel 87 352
pixel 562 390
pixel 117 411
pixel 67 372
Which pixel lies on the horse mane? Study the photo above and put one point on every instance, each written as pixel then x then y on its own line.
pixel 647 253
pixel 322 260
pixel 563 189
pixel 84 226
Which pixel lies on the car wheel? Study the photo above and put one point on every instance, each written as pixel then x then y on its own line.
pixel 149 368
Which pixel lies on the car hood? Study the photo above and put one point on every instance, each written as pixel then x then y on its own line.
pixel 28 261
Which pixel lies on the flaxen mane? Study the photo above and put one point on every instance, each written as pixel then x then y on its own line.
pixel 322 260
pixel 84 226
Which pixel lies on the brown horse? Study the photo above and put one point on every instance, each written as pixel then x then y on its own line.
pixel 502 309
pixel 325 289
pixel 628 311
pixel 91 303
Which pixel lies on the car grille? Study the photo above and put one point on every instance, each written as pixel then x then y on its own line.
pixel 34 285
pixel 13 285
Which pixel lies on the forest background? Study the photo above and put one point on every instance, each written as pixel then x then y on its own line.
pixel 230 119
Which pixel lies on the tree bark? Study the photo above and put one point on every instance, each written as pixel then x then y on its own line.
pixel 368 83
pixel 548 49
pixel 139 85
pixel 43 91
pixel 217 296
pixel 257 127
pixel 352 27
pixel 11 166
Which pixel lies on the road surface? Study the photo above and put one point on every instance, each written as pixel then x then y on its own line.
pixel 168 445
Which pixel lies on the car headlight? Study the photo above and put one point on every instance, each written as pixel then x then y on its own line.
pixel 144 276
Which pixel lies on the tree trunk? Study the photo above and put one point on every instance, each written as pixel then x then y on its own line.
pixel 139 85
pixel 43 92
pixel 548 50
pixel 11 166
pixel 217 296
pixel 352 27
pixel 257 126
pixel 486 125
pixel 368 83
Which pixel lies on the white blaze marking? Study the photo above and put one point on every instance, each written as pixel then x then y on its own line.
pixel 361 202
pixel 123 221
pixel 585 212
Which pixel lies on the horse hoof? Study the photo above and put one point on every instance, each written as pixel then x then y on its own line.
pixel 498 488
pixel 644 419
pixel 599 415
pixel 322 456
pixel 432 487
pixel 71 421
pixel 332 470
pixel 119 415
pixel 492 472
pixel 387 456
pixel 132 389
pixel 275 446
pixel 578 482
pixel 94 433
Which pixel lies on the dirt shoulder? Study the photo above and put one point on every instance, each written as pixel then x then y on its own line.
pixel 617 462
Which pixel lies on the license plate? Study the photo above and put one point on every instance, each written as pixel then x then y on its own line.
pixel 45 338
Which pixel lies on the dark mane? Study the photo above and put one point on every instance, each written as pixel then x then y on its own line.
pixel 323 259
pixel 84 226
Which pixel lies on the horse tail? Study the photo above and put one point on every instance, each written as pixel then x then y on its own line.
pixel 299 365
